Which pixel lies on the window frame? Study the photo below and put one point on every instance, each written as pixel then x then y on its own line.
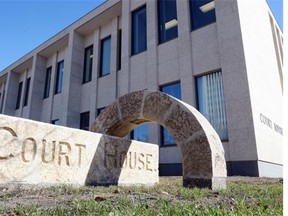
pixel 87 73
pixel 19 95
pixel 102 54
pixel 198 104
pixel 162 14
pixel 26 92
pixel 100 110
pixel 59 77
pixel 135 22
pixel 193 4
pixel 2 101
pixel 82 125
pixel 47 82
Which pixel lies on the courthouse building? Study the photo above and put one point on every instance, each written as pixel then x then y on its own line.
pixel 223 57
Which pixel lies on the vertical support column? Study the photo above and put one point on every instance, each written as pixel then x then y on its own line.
pixel 114 53
pixel 47 117
pixel 124 76
pixel 152 72
pixel 152 61
pixel 236 94
pixel 73 80
pixel 11 93
pixel 95 72
pixel 185 59
pixel 37 88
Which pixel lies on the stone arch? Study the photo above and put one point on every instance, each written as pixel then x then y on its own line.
pixel 201 149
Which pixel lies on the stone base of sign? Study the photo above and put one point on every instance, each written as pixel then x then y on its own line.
pixel 44 154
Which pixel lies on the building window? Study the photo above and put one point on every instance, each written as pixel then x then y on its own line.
pixel 202 13
pixel 210 100
pixel 139 30
pixel 175 91
pixel 47 82
pixel 141 133
pixel 55 122
pixel 100 110
pixel 88 62
pixel 84 121
pixel 19 95
pixel 119 50
pixel 26 93
pixel 167 20
pixel 2 101
pixel 59 77
pixel 105 56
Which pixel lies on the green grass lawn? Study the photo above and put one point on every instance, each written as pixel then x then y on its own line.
pixel 243 196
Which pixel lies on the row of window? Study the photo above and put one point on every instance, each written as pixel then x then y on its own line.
pixel 58 85
pixel 210 102
pixel 202 13
pixel 105 59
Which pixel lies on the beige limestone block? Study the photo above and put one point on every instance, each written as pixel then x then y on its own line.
pixel 201 149
pixel 45 154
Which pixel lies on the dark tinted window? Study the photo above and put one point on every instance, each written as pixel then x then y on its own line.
pixel 47 82
pixel 55 122
pixel 105 56
pixel 141 133
pixel 59 77
pixel 26 93
pixel 88 62
pixel 139 31
pixel 202 13
pixel 19 95
pixel 84 121
pixel 119 50
pixel 100 110
pixel 1 102
pixel 175 91
pixel 167 20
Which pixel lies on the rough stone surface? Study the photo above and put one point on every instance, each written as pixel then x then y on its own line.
pixel 109 117
pixel 156 106
pixel 39 153
pixel 130 104
pixel 181 124
pixel 200 146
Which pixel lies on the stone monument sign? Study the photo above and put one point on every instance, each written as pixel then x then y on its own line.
pixel 38 153
pixel 203 161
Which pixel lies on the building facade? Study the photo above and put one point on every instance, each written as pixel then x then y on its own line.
pixel 223 57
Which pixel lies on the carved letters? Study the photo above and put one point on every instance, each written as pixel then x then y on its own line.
pixel 126 159
pixel 48 151
pixel 60 153
pixel 37 153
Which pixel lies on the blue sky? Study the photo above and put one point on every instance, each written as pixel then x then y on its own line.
pixel 25 24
